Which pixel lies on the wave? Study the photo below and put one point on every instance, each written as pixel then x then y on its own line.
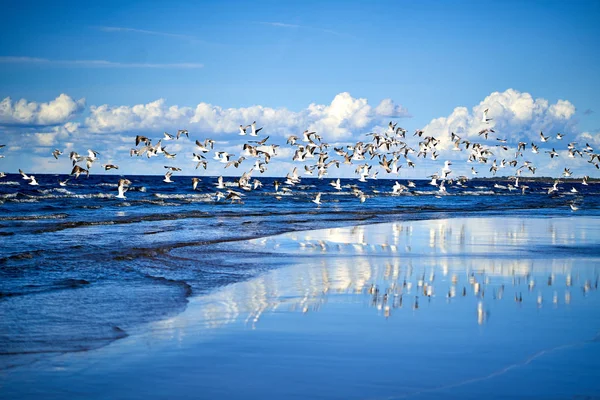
pixel 56 190
pixel 34 217
pixel 28 200
pixel 198 196
pixel 36 289
pixel 10 183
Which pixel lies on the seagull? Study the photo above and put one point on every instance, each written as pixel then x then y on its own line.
pixel 235 163
pixel 398 188
pixel 434 180
pixel 485 117
pixel 306 136
pixel 560 136
pixel 552 153
pixel 195 183
pixel 169 155
pixel 362 197
pixel 122 187
pixel 2 174
pixel 63 183
pixel 24 175
pixel 92 155
pixel 108 167
pixel 77 170
pixel 182 132
pixel 446 170
pixel 254 130
pixel 573 207
pixel 168 177
pixel 243 130
pixel 442 187
pixel 168 136
pixel 32 180
pixel 317 199
pixel 544 138
pixel 256 184
pixel 554 187
pixel 56 153
pixel 140 138
pixel 226 156
pixel 220 184
pixel 204 164
pixel 202 146
pixel 219 196
pixel 234 196
pixel 336 184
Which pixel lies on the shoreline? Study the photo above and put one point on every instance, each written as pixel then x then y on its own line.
pixel 317 245
pixel 332 281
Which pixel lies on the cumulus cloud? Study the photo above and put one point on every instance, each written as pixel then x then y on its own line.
pixel 515 116
pixel 343 117
pixel 155 116
pixel 592 139
pixel 110 129
pixel 54 112
pixel 55 134
pixel 387 108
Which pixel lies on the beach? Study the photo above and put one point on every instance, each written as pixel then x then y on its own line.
pixel 487 306
pixel 300 200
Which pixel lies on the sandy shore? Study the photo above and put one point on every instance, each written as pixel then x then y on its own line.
pixel 456 308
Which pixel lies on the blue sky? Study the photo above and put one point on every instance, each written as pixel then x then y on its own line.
pixel 429 57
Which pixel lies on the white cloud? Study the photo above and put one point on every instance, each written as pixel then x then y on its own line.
pixel 342 118
pixel 45 139
pixel 515 116
pixel 387 108
pixel 95 63
pixel 593 139
pixel 53 112
pixel 55 134
pixel 111 130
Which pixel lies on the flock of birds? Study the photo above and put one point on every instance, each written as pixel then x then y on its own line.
pixel 389 150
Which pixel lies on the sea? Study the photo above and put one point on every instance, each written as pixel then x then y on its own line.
pixel 81 268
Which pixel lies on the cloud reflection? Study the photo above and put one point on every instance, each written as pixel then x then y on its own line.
pixel 478 261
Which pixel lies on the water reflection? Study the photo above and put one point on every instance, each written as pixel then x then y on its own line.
pixel 424 266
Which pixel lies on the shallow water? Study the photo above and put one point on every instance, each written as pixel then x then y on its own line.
pixel 80 268
pixel 454 308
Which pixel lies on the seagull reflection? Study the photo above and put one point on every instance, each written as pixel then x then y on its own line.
pixel 481 313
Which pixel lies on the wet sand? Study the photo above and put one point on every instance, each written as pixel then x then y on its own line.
pixel 455 308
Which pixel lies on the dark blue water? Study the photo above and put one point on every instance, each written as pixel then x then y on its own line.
pixel 80 268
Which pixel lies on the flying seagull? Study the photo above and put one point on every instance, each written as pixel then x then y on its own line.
pixel 122 188
pixel 485 117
